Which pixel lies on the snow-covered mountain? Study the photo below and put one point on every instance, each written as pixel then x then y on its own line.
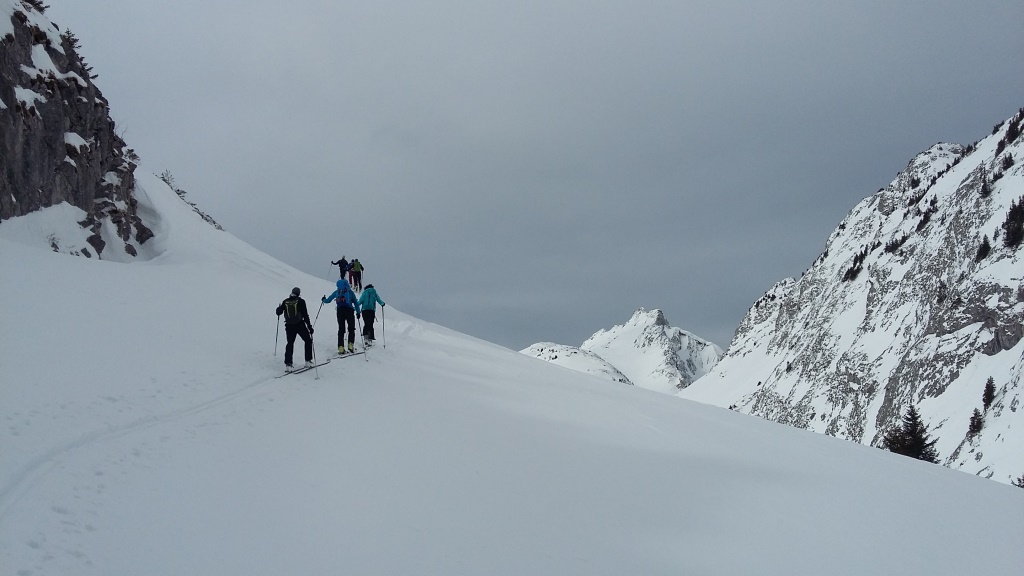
pixel 144 432
pixel 576 359
pixel 645 351
pixel 918 298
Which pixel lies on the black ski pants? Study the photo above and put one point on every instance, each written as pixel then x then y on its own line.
pixel 291 330
pixel 368 318
pixel 346 315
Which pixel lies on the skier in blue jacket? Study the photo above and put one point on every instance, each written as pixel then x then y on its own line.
pixel 347 306
pixel 368 304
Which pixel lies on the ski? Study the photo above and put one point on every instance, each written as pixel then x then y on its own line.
pixel 347 354
pixel 303 369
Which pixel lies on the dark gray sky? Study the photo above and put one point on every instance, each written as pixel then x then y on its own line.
pixel 536 170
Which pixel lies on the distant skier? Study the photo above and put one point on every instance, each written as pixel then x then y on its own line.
pixel 342 266
pixel 355 274
pixel 296 322
pixel 368 304
pixel 346 302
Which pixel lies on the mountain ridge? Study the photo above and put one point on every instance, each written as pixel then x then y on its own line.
pixel 915 300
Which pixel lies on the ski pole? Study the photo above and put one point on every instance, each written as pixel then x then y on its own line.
pixel 278 332
pixel 329 271
pixel 362 337
pixel 319 309
pixel 383 335
pixel 316 369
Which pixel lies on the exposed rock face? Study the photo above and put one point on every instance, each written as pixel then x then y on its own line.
pixel 57 140
pixel 905 306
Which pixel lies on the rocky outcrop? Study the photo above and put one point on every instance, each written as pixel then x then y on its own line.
pixel 57 140
pixel 916 299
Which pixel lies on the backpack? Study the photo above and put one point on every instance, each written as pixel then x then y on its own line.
pixel 291 311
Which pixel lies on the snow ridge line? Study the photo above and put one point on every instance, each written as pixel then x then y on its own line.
pixel 17 486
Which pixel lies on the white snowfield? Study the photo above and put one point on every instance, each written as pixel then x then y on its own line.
pixel 144 433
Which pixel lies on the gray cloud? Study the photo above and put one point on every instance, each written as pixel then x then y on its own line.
pixel 526 171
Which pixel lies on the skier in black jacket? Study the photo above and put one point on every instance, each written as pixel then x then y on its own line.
pixel 343 266
pixel 296 322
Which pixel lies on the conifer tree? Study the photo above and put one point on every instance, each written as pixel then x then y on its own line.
pixel 977 423
pixel 986 188
pixel 911 438
pixel 983 249
pixel 989 394
pixel 1013 226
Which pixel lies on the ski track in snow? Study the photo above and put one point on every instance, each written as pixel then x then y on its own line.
pixel 21 481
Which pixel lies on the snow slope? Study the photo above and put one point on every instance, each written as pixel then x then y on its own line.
pixel 143 433
pixel 574 358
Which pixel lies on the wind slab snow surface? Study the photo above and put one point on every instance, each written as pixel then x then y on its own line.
pixel 144 433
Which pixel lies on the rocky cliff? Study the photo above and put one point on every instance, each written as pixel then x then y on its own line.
pixel 57 140
pixel 918 298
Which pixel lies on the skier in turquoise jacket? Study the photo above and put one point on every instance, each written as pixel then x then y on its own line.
pixel 368 304
pixel 347 307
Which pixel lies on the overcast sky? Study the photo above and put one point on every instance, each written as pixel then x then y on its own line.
pixel 536 170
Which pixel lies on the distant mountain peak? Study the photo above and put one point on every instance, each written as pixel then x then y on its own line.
pixel 644 316
pixel 646 351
